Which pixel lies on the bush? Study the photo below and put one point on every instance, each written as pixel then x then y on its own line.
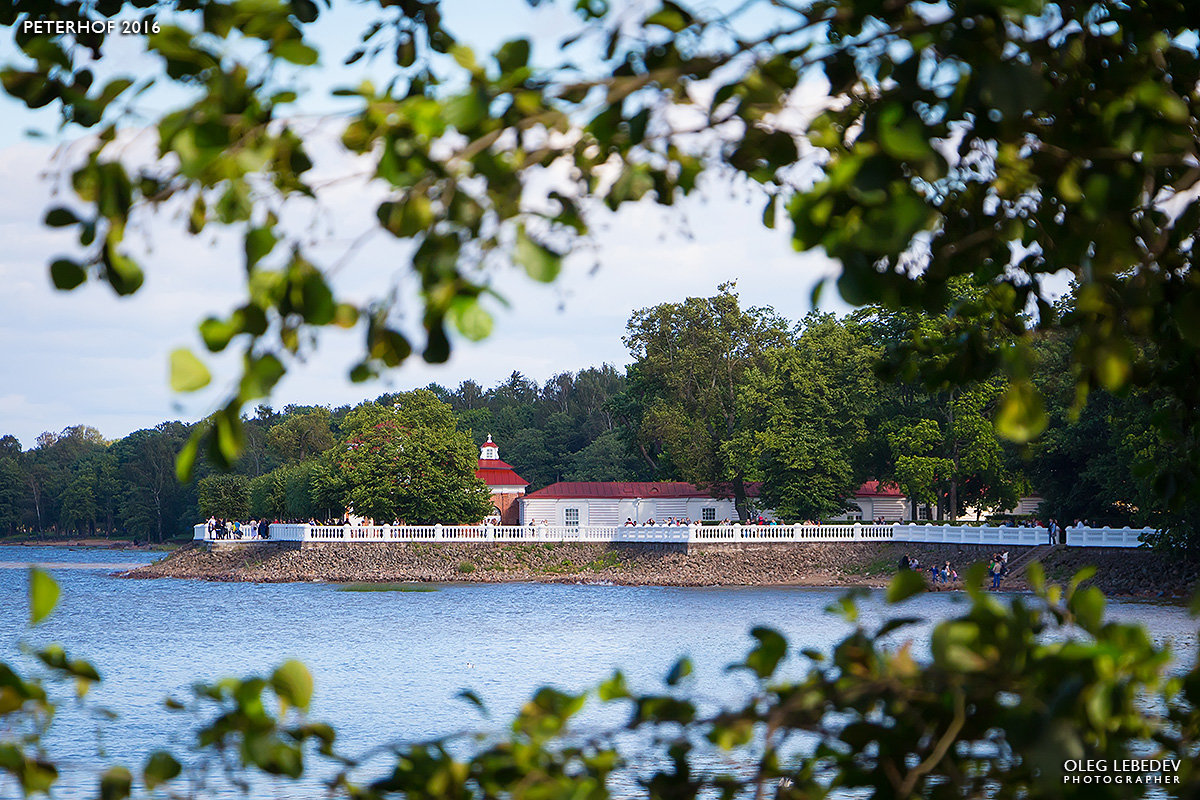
pixel 466 567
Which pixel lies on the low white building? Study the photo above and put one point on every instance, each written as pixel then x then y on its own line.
pixel 613 502
pixel 875 500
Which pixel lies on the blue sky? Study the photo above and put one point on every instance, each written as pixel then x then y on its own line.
pixel 87 357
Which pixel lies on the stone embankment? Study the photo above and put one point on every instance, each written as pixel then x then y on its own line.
pixel 1124 572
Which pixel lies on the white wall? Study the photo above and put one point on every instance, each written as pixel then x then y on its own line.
pixel 608 511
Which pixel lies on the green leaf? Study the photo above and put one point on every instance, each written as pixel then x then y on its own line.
pixel 1083 575
pixel 386 345
pixel 217 333
pixel 614 688
pixel 895 623
pixel 185 462
pixel 188 373
pixel 160 767
pixel 295 51
pixel 1035 576
pixel 846 606
pixel 121 272
pixel 260 374
pixel 906 583
pixel 513 55
pixel 671 17
pixel 60 217
pixel 227 445
pixel 681 669
pixel 259 242
pixel 293 683
pixel 471 319
pixel 465 111
pixel 765 658
pixel 408 217
pixel 902 136
pixel 540 262
pixel 1088 607
pixel 116 784
pixel 1021 415
pixel 43 595
pixel 66 274
pixel 473 699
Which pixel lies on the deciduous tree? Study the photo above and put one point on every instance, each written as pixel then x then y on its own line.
pixel 691 359
pixel 410 462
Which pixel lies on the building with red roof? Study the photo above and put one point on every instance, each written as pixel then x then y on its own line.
pixel 878 500
pixel 505 484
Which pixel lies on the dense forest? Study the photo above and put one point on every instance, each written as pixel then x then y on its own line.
pixel 715 394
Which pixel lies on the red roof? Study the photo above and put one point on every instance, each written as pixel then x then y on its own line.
pixel 647 490
pixel 877 489
pixel 495 472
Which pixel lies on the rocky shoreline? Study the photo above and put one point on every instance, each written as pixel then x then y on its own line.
pixel 1139 573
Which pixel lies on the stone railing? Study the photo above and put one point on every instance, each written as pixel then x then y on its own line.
pixel 700 534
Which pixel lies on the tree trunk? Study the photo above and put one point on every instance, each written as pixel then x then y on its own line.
pixel 739 498
pixel 954 462
pixel 646 457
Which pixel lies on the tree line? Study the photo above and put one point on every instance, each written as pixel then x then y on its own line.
pixel 716 394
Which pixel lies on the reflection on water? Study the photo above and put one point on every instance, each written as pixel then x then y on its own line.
pixel 388 665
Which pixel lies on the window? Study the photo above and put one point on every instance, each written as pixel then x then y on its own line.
pixel 922 512
pixel 708 514
pixel 854 514
pixel 571 517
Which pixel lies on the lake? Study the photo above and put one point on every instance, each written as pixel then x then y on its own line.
pixel 388 665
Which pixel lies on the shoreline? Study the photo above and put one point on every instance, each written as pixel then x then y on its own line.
pixel 1139 573
pixel 94 543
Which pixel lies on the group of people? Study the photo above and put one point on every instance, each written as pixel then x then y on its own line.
pixel 942 574
pixel 997 569
pixel 672 522
pixel 231 529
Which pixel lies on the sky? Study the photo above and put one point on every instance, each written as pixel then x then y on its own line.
pixel 88 357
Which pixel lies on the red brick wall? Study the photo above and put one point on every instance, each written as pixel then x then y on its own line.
pixel 510 512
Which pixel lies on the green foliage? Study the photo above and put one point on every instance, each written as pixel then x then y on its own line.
pixel 691 359
pixel 409 462
pixel 802 420
pixel 224 496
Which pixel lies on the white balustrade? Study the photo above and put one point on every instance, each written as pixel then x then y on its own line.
pixel 700 534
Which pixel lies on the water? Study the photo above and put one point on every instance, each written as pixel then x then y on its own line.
pixel 388 665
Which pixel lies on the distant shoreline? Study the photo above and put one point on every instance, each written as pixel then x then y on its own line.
pixel 1137 573
pixel 92 543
